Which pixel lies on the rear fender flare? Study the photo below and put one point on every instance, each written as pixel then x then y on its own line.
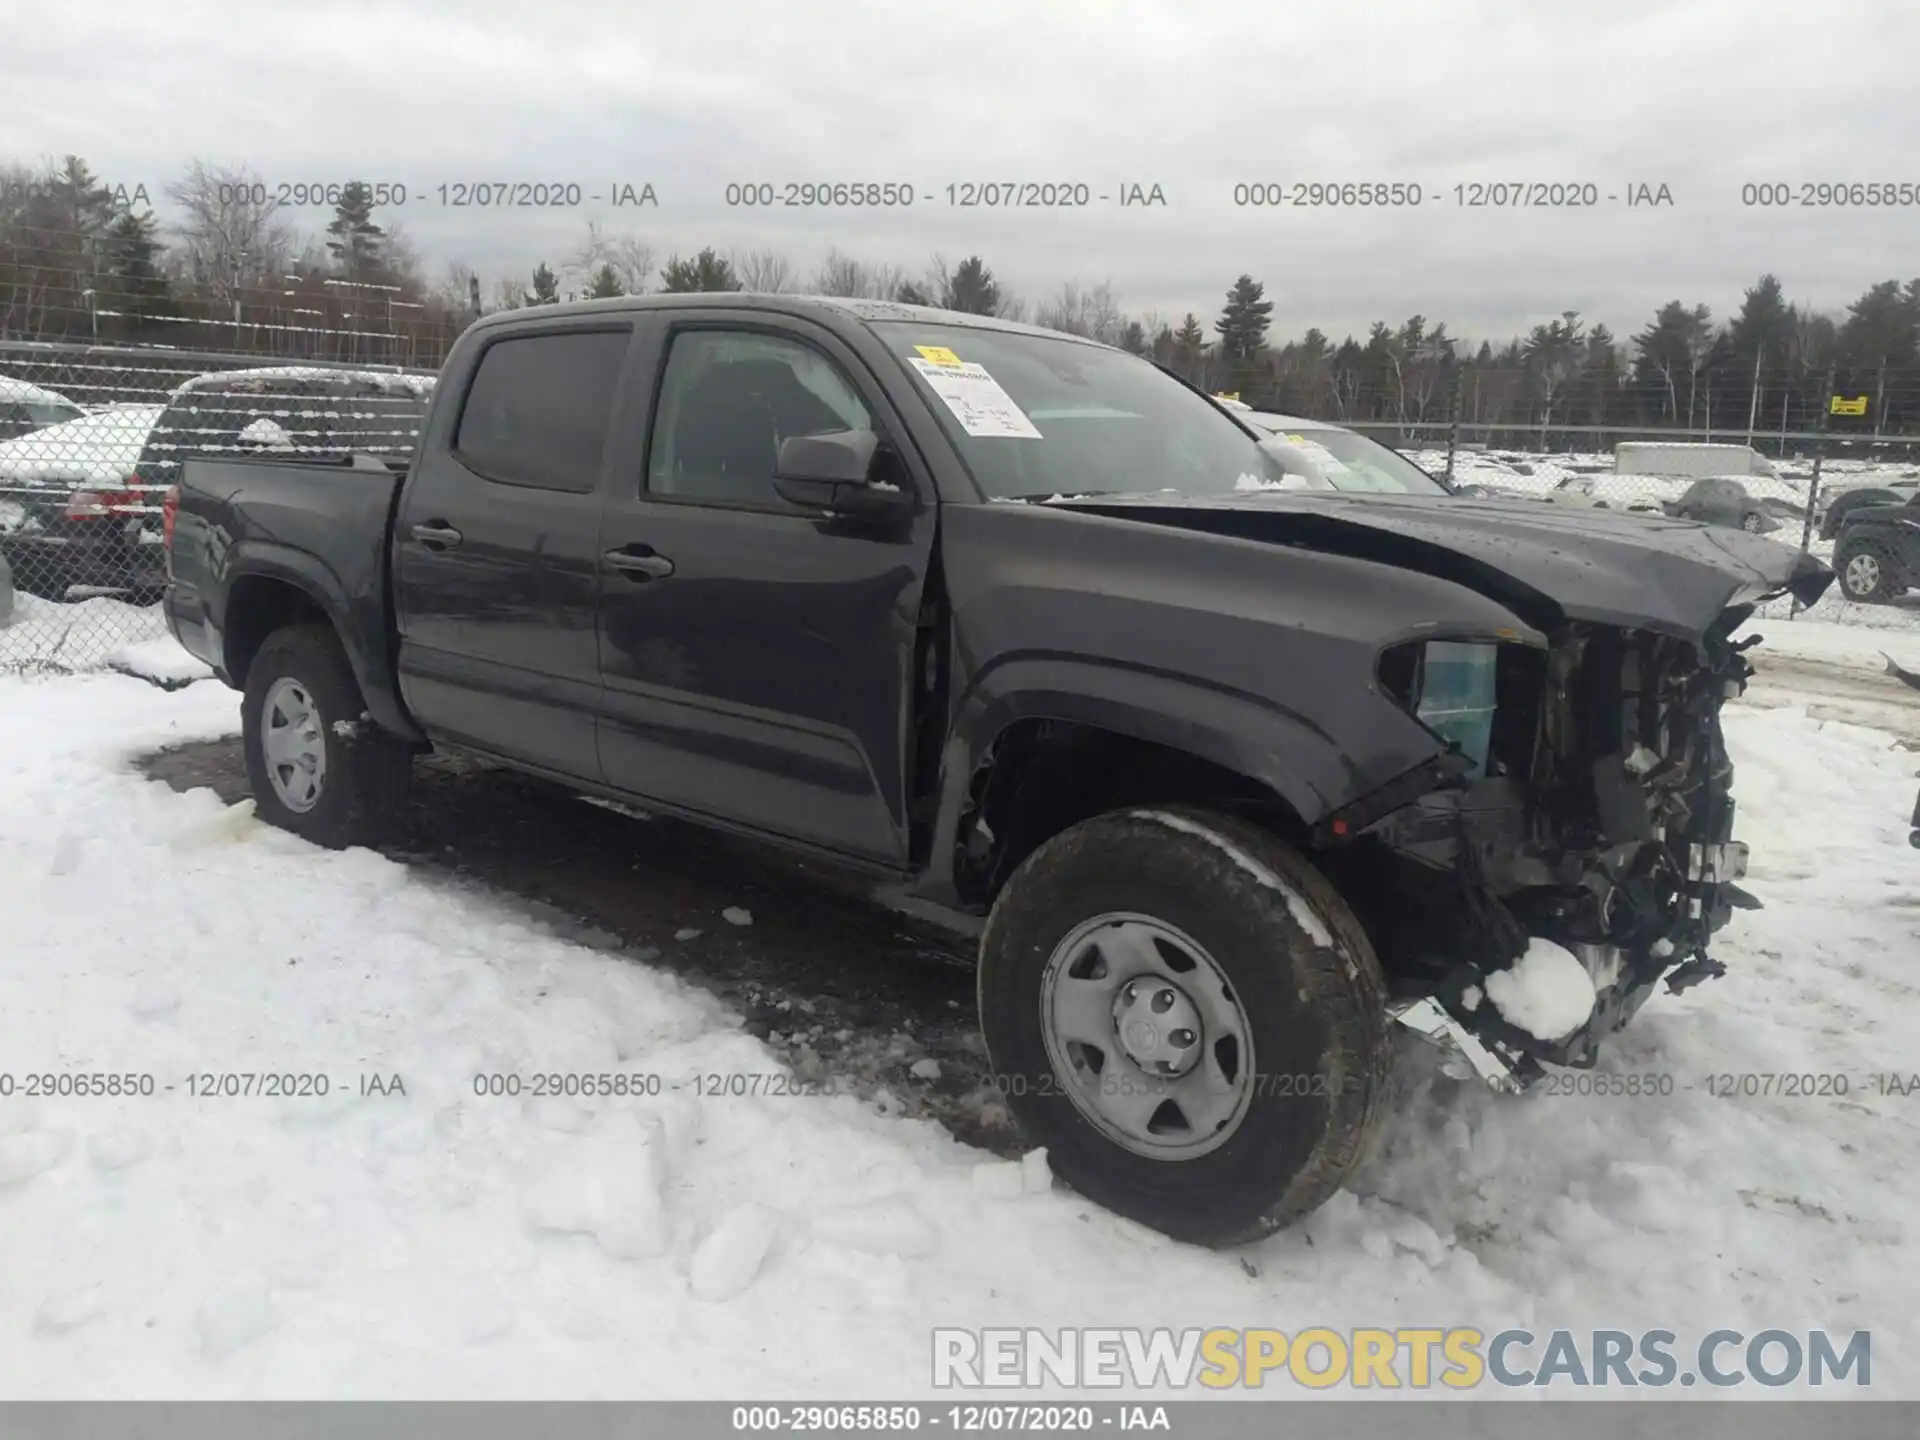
pixel 305 573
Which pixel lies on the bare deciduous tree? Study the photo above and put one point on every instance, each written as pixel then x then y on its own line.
pixel 230 234
pixel 630 257
pixel 766 272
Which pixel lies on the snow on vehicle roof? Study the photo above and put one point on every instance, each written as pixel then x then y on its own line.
pixel 26 393
pixel 412 382
pixel 1271 420
pixel 101 447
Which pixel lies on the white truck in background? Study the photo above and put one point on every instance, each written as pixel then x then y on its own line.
pixel 1673 461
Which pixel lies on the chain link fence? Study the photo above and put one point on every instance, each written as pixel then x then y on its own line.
pixel 91 437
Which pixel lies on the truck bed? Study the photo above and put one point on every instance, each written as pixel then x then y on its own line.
pixel 324 521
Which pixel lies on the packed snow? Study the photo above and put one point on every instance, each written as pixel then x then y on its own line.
pixel 429 1241
pixel 1547 992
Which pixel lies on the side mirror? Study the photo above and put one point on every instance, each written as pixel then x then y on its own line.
pixel 843 472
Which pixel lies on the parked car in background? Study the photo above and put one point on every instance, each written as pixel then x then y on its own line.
pixel 25 408
pixel 1328 457
pixel 1723 501
pixel 70 514
pixel 1877 556
pixel 90 491
pixel 293 409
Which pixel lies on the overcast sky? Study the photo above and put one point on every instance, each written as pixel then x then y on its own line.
pixel 1193 95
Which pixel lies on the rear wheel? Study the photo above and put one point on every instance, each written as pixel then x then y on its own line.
pixel 1868 571
pixel 318 766
pixel 1188 1017
pixel 1751 522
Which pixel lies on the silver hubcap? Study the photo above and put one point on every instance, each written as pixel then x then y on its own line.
pixel 1147 1037
pixel 1752 524
pixel 291 743
pixel 1863 573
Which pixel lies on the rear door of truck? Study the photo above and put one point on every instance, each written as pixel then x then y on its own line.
pixel 496 546
pixel 757 661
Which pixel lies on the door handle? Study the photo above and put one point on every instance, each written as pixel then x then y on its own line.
pixel 436 535
pixel 638 562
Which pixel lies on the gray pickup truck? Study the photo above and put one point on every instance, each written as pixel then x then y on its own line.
pixel 1235 754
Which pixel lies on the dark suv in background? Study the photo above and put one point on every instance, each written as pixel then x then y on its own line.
pixel 1877 555
pixel 89 504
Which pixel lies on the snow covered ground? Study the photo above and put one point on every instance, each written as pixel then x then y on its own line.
pixel 438 1243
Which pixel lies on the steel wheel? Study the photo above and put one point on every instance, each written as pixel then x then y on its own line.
pixel 292 744
pixel 1146 1036
pixel 1862 574
pixel 1750 522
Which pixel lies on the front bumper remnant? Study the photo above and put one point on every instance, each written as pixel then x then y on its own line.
pixel 1428 1019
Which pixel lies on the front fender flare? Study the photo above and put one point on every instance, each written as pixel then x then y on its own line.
pixel 1278 748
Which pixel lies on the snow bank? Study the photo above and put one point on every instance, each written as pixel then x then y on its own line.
pixel 164 661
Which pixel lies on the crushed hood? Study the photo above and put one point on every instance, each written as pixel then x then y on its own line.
pixel 1644 572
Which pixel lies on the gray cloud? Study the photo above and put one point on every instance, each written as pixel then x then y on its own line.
pixel 1193 96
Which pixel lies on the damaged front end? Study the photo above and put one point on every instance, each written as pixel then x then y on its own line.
pixel 1585 801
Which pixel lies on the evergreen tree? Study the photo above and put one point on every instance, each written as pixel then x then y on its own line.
pixel 1668 355
pixel 605 285
pixel 1881 331
pixel 1190 349
pixel 1133 339
pixel 81 200
pixel 1242 325
pixel 911 294
pixel 546 288
pixel 1164 348
pixel 972 289
pixel 357 245
pixel 706 271
pixel 131 254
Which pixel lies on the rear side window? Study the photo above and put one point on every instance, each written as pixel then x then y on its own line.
pixel 537 411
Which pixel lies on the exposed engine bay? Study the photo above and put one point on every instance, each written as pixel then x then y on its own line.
pixel 1593 809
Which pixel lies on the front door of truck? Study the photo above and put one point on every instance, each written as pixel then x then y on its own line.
pixel 757 662
pixel 496 548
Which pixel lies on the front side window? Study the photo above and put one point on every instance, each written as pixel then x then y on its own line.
pixel 727 400
pixel 538 409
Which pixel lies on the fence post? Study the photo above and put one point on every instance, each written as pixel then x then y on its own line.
pixel 1453 411
pixel 1813 485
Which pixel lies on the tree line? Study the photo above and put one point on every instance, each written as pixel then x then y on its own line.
pixel 83 259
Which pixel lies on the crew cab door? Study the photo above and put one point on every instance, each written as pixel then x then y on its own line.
pixel 757 661
pixel 496 546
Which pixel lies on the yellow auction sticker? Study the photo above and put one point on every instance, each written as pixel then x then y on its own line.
pixel 938 355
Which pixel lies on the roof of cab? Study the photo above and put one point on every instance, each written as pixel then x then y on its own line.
pixel 866 312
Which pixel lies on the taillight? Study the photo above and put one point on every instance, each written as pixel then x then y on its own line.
pixel 169 508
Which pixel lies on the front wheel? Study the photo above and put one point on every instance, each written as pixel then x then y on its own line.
pixel 1868 573
pixel 1189 1018
pixel 318 766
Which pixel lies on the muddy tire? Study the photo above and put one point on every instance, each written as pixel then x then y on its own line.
pixel 1869 573
pixel 317 766
pixel 1189 1018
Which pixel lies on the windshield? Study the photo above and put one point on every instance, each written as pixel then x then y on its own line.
pixel 1034 417
pixel 1318 457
